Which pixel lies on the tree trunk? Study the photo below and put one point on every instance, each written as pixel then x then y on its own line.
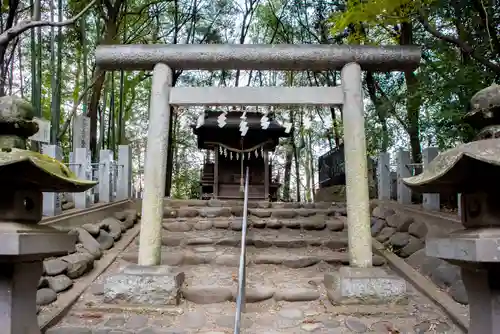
pixel 111 115
pixel 33 59
pixel 288 172
pixel 379 109
pixel 102 114
pixel 39 57
pixel 54 108
pixel 413 99
pixel 21 77
pixel 170 154
pixel 60 46
pixel 297 151
pixel 335 125
pixel 297 168
pixel 109 38
pixel 311 165
pixel 175 155
pixel 170 150
pixel 11 16
pixel 121 123
pixel 288 163
pixel 76 92
pixel 308 179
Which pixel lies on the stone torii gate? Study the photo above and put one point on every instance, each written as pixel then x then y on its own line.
pixel 351 60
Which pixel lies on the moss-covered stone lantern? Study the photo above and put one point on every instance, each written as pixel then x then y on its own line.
pixel 473 169
pixel 24 175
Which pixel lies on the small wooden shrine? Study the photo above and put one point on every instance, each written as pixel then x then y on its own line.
pixel 239 140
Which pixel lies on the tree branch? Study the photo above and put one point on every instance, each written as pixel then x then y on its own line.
pixel 11 57
pixel 486 23
pixel 7 36
pixel 391 109
pixel 466 48
pixel 145 7
pixel 279 22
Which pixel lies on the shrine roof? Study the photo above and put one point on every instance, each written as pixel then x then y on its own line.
pixel 233 121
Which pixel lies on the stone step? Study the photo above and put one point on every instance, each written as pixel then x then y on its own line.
pixel 208 283
pixel 237 211
pixel 260 238
pixel 216 283
pixel 218 255
pixel 314 223
pixel 251 204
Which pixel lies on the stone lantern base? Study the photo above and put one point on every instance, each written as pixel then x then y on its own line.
pixel 24 176
pixel 477 252
pixel 22 249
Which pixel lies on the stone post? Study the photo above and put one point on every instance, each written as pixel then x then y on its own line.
pixel 82 166
pixel 72 167
pixel 356 170
pixel 81 132
pixel 459 205
pixel 124 186
pixel 155 167
pixel 71 164
pixel 114 176
pixel 430 201
pixel 24 244
pixel 403 160
pixel 104 187
pixel 52 201
pixel 384 176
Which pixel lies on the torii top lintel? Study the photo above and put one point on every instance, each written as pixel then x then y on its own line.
pixel 315 57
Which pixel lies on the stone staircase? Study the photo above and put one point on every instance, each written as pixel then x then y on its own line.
pixel 291 250
pixel 280 228
pixel 204 242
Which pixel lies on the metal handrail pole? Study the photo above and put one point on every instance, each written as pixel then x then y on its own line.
pixel 240 300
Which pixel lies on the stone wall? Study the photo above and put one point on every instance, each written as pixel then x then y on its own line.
pixel 404 234
pixel 92 240
pixel 337 193
pixel 67 202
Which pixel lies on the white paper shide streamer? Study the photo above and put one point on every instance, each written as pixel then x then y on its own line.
pixel 201 120
pixel 264 122
pixel 221 120
pixel 243 124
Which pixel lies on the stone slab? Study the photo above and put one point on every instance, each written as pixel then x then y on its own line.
pixel 33 241
pixel 145 285
pixel 367 286
pixel 468 246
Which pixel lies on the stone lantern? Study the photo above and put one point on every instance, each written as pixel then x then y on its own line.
pixel 473 169
pixel 24 175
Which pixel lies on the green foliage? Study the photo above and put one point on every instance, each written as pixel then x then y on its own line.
pixel 186 183
pixel 359 13
pixel 447 76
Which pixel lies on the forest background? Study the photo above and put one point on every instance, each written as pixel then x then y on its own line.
pixel 46 57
